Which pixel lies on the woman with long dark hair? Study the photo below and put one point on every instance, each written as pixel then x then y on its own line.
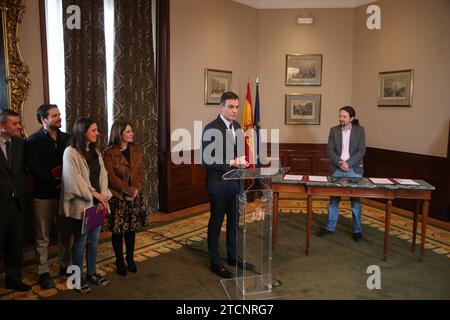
pixel 84 184
pixel 125 166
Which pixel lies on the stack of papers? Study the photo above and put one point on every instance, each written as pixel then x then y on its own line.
pixel 381 181
pixel 318 178
pixel 293 177
pixel 407 182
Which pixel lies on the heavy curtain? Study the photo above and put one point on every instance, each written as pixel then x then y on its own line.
pixel 135 85
pixel 85 66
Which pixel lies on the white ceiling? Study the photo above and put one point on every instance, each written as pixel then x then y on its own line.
pixel 298 4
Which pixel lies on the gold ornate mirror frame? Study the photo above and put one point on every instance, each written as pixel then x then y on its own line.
pixel 14 79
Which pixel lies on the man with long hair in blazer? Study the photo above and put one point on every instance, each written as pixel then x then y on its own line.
pixel 221 153
pixel 12 198
pixel 346 149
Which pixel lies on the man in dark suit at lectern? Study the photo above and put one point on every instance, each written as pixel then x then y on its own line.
pixel 221 153
pixel 12 202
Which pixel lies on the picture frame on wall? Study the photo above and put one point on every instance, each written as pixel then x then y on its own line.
pixel 395 88
pixel 216 83
pixel 302 108
pixel 303 69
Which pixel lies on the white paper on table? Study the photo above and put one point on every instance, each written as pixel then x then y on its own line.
pixel 293 177
pixel 407 182
pixel 381 181
pixel 318 179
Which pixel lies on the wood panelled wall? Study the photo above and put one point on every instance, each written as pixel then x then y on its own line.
pixel 186 182
pixel 434 170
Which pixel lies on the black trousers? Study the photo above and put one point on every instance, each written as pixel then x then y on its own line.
pixel 11 238
pixel 221 205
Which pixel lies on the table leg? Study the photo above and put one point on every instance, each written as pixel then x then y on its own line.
pixel 425 207
pixel 416 214
pixel 275 220
pixel 308 223
pixel 387 223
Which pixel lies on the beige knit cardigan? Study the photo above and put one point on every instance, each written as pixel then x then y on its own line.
pixel 76 188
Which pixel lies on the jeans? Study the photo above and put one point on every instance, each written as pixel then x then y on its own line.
pixel 91 237
pixel 333 206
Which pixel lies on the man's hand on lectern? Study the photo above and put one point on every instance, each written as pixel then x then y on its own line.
pixel 239 162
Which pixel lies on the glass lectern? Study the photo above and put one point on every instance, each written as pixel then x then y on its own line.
pixel 253 277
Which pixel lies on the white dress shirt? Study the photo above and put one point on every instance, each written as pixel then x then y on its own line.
pixel 345 155
pixel 227 123
pixel 3 145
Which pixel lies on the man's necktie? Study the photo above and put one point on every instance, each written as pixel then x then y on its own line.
pixel 232 129
pixel 9 153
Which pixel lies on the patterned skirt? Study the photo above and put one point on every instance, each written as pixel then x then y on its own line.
pixel 126 216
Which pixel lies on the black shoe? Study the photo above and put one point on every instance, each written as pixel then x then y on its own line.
pixel 63 273
pixel 46 281
pixel 131 266
pixel 357 236
pixel 324 232
pixel 221 271
pixel 120 267
pixel 240 264
pixel 17 285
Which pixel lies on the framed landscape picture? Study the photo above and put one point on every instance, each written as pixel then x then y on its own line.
pixel 216 83
pixel 395 88
pixel 303 70
pixel 302 108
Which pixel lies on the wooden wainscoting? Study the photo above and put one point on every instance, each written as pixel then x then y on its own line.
pixel 184 186
pixel 305 158
pixel 435 170
pixel 185 183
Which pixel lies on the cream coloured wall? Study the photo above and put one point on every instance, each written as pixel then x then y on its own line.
pixel 414 35
pixel 215 34
pixel 332 36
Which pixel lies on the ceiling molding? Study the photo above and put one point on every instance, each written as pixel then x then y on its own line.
pixel 300 4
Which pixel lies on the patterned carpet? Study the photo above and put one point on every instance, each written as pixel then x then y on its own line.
pixel 188 230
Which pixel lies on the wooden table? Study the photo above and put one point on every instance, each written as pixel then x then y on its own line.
pixel 421 194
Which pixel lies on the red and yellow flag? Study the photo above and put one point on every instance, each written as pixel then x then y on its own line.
pixel 248 127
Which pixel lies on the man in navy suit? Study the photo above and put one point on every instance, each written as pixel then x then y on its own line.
pixel 346 149
pixel 221 153
pixel 12 198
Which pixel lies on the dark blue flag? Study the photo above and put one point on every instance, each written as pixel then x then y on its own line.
pixel 256 120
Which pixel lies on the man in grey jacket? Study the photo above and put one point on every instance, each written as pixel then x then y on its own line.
pixel 346 149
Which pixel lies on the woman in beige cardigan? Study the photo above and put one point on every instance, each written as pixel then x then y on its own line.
pixel 84 184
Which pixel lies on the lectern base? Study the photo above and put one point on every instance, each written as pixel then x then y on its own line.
pixel 256 288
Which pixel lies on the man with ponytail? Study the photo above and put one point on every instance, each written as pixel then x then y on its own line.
pixel 346 149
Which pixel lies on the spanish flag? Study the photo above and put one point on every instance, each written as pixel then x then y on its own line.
pixel 248 127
